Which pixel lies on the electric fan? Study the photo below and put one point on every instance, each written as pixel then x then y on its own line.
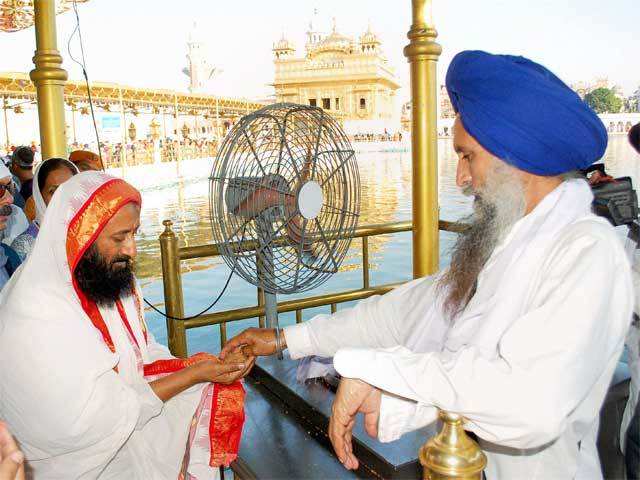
pixel 284 199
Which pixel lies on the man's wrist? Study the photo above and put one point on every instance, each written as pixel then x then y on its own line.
pixel 195 374
pixel 283 340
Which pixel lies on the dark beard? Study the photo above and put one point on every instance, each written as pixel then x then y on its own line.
pixel 101 282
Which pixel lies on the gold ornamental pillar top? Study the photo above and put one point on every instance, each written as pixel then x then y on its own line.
pixel 18 15
pixel 452 454
pixel 49 79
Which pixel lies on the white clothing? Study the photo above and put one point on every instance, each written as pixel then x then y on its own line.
pixel 74 416
pixel 633 346
pixel 529 361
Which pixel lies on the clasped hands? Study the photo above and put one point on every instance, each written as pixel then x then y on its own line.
pixel 353 396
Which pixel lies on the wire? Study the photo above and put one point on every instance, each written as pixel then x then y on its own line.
pixel 83 65
pixel 224 289
pixel 95 127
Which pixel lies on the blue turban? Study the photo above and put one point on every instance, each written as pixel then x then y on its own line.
pixel 523 114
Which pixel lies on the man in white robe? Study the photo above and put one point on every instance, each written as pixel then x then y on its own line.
pixel 522 333
pixel 84 387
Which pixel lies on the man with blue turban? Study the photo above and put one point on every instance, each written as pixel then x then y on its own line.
pixel 521 333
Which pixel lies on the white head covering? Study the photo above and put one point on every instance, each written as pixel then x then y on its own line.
pixel 17 222
pixel 37 194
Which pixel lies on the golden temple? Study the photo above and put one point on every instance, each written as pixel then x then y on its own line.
pixel 351 79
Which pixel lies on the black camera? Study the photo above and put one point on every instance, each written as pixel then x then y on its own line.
pixel 615 199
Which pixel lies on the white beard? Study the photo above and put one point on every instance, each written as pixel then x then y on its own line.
pixel 498 205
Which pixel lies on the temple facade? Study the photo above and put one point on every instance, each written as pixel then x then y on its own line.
pixel 349 78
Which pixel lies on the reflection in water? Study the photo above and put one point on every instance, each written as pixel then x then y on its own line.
pixel 385 196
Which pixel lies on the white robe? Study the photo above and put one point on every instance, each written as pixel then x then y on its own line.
pixel 74 416
pixel 529 361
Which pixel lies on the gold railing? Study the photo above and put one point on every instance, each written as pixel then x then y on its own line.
pixel 172 254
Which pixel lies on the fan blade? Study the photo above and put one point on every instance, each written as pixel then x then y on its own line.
pixel 257 202
pixel 248 197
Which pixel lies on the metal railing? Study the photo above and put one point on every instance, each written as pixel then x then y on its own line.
pixel 172 254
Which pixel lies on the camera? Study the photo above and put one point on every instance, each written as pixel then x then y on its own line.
pixel 614 198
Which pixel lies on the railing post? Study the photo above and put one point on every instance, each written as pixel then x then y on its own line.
pixel 173 297
pixel 365 262
pixel 422 54
pixel 452 454
pixel 262 321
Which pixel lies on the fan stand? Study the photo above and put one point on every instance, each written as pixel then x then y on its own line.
pixel 266 271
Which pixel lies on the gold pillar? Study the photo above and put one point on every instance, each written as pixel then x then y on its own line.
pixel 179 152
pixel 49 79
pixel 173 297
pixel 5 106
pixel 217 121
pixel 164 127
pixel 422 54
pixel 452 454
pixel 73 122
pixel 123 133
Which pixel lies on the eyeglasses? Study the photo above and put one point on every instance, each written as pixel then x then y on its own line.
pixel 7 187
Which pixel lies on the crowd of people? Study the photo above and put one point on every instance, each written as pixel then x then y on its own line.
pixel 27 189
pixel 377 137
pixel 520 334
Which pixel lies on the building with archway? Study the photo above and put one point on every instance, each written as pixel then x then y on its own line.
pixel 349 78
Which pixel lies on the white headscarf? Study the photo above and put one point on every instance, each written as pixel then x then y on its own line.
pixel 41 206
pixel 17 222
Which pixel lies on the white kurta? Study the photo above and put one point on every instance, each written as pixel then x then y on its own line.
pixel 529 361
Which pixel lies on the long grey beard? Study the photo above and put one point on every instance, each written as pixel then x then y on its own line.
pixel 497 207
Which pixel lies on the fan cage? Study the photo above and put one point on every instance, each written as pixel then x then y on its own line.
pixel 261 165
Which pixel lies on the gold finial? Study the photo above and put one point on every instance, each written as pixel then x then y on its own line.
pixel 167 227
pixel 452 454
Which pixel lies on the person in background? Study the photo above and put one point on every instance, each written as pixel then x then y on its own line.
pixel 13 221
pixel 86 160
pixel 22 168
pixel 634 137
pixel 11 458
pixel 631 424
pixel 48 175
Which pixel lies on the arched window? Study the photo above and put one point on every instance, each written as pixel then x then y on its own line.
pixel 363 103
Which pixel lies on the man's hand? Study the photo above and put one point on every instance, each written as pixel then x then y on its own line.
pixel 11 458
pixel 238 357
pixel 353 396
pixel 254 342
pixel 217 371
